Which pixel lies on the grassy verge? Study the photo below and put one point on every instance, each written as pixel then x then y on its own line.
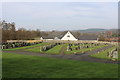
pixel 26 46
pixel 36 49
pixel 27 66
pixel 85 49
pixel 103 54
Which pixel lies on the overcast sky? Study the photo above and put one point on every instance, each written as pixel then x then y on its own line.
pixel 61 16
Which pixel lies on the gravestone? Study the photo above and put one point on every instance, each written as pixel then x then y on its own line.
pixel 115 54
pixel 68 48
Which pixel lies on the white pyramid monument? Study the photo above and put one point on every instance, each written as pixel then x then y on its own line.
pixel 69 36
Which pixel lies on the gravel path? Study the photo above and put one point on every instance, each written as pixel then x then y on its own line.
pixel 81 57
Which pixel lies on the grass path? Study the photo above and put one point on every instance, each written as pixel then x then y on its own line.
pixel 27 66
pixel 63 49
pixel 55 50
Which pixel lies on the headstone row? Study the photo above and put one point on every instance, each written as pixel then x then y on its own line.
pixel 113 53
pixel 47 47
pixel 78 46
pixel 8 45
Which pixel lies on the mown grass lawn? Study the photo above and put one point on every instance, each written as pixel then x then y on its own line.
pixel 27 46
pixel 103 54
pixel 84 49
pixel 28 66
pixel 54 50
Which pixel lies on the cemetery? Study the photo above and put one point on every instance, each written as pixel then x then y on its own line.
pixel 64 48
pixel 67 57
pixel 68 48
pixel 45 58
pixel 56 59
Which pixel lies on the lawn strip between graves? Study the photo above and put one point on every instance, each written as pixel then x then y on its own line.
pixel 25 47
pixel 103 54
pixel 84 49
pixel 63 49
pixel 56 49
pixel 28 66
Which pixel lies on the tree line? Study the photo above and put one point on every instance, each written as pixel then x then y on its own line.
pixel 24 34
pixel 10 33
pixel 20 34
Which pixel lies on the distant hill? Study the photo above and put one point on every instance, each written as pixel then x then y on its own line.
pixel 93 30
